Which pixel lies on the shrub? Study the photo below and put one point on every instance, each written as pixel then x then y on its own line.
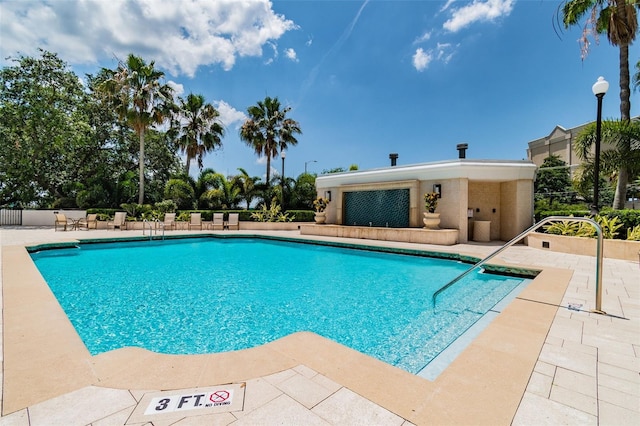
pixel 103 214
pixel 564 227
pixel 302 215
pixel 625 220
pixel 271 214
pixel 633 234
pixel 609 226
pixel 166 206
pixel 185 215
pixel 628 218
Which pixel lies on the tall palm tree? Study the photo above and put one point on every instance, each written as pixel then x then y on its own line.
pixel 197 128
pixel 268 130
pixel 617 19
pixel 139 98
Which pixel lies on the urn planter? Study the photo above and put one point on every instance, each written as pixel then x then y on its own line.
pixel 320 217
pixel 431 220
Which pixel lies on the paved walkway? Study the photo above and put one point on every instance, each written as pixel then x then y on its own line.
pixel 588 371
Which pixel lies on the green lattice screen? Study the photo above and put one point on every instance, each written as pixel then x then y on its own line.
pixel 386 208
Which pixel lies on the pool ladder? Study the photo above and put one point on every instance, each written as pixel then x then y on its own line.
pixel 146 222
pixel 595 224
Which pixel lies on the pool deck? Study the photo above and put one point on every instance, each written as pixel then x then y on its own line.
pixel 538 362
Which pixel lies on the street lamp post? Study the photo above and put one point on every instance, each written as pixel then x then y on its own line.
pixel 307 162
pixel 599 89
pixel 283 155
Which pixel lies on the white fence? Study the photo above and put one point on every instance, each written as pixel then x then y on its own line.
pixel 35 217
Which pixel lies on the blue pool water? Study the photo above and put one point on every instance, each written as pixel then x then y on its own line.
pixel 214 295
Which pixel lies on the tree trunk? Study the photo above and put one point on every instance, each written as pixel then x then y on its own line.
pixel 141 168
pixel 621 189
pixel 625 115
pixel 268 169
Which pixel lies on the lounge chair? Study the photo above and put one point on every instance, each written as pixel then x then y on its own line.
pixel 89 222
pixel 169 221
pixel 61 220
pixel 119 221
pixel 234 221
pixel 196 221
pixel 218 221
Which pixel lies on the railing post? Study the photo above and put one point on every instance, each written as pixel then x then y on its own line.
pixel 599 254
pixel 599 248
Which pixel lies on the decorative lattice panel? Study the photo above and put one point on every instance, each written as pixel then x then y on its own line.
pixel 386 208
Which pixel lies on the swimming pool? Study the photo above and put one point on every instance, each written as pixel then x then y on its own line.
pixel 214 295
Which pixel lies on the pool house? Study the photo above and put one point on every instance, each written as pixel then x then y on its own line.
pixel 480 200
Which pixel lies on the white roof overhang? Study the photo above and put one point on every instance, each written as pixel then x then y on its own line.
pixel 474 170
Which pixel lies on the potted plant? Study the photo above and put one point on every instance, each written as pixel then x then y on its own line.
pixel 431 218
pixel 320 204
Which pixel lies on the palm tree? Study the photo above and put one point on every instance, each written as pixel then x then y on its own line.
pixel 218 191
pixel 139 98
pixel 619 20
pixel 197 128
pixel 247 186
pixel 623 136
pixel 268 130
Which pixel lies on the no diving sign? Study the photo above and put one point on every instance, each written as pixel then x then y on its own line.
pixel 189 402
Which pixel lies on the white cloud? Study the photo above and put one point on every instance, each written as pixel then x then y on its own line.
pixel 179 35
pixel 421 59
pixel 229 115
pixel 476 11
pixel 445 52
pixel 274 56
pixel 178 89
pixel 446 6
pixel 424 37
pixel 291 54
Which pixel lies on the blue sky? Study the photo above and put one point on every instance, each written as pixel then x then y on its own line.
pixel 363 78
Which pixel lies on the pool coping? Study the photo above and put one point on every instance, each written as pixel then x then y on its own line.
pixel 44 357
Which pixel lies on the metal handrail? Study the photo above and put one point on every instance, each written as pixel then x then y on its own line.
pixel 162 225
pixel 527 232
pixel 145 222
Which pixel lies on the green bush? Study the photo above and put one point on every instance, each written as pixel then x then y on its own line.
pixel 628 218
pixel 273 213
pixel 302 215
pixel 103 213
pixel 185 215
pixel 575 213
pixel 610 227
pixel 633 234
pixel 166 206
pixel 625 220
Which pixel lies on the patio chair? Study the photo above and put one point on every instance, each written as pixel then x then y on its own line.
pixel 119 221
pixel 218 221
pixel 61 220
pixel 196 221
pixel 169 221
pixel 89 222
pixel 234 221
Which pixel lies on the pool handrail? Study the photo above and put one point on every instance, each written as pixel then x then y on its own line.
pixel 531 229
pixel 152 225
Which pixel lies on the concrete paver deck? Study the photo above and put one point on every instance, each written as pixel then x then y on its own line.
pixel 584 370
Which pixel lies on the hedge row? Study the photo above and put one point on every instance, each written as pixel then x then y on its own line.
pixel 207 215
pixel 628 218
